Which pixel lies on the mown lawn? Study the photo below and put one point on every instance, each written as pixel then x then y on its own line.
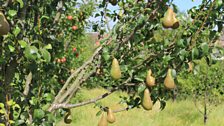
pixel 180 113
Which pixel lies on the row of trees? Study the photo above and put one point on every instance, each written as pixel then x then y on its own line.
pixel 41 33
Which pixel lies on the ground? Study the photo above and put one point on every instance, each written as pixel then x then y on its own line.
pixel 179 113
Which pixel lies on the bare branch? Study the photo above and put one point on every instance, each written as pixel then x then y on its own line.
pixel 27 84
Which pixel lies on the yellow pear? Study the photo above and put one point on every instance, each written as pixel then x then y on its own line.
pixel 190 66
pixel 168 19
pixel 169 81
pixel 146 101
pixel 110 116
pixel 67 118
pixel 176 22
pixel 115 70
pixel 150 80
pixel 4 25
pixel 103 121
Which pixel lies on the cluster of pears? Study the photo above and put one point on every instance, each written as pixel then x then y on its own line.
pixel 115 70
pixel 105 119
pixel 146 100
pixel 4 25
pixel 68 118
pixel 170 20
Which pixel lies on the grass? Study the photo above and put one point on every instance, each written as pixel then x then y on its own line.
pixel 180 113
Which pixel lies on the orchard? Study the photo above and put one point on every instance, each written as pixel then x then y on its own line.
pixel 45 60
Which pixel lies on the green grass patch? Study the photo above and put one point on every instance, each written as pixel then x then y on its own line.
pixel 179 113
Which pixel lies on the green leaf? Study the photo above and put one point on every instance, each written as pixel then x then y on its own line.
pixel 11 48
pixel 195 53
pixel 20 3
pixel 12 13
pixel 16 31
pixel 205 48
pixel 46 55
pixel 1 124
pixel 48 46
pixel 22 43
pixel 31 52
pixel 48 96
pixel 98 113
pixel 10 103
pixel 38 113
pixel 16 111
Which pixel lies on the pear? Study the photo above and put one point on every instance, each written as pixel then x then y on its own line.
pixel 115 70
pixel 146 101
pixel 110 116
pixel 4 25
pixel 168 19
pixel 169 81
pixel 103 121
pixel 113 2
pixel 67 118
pixel 150 80
pixel 190 66
pixel 176 23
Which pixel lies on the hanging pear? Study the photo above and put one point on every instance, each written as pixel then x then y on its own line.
pixel 146 101
pixel 168 19
pixel 113 2
pixel 176 23
pixel 115 70
pixel 169 81
pixel 67 118
pixel 103 121
pixel 110 116
pixel 4 25
pixel 190 66
pixel 150 80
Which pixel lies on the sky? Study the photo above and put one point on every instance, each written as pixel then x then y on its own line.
pixel 183 6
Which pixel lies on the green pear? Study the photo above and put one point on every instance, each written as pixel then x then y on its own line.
pixel 4 25
pixel 146 101
pixel 169 81
pixel 110 116
pixel 67 118
pixel 103 121
pixel 168 19
pixel 115 70
pixel 150 80
pixel 113 2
